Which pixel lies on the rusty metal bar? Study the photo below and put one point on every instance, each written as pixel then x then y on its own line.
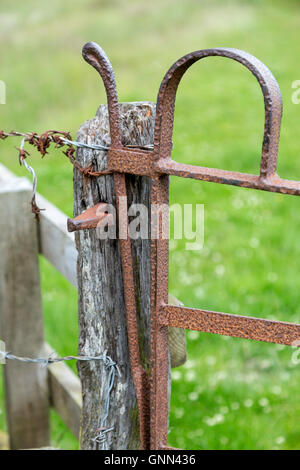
pixel 159 404
pixel 140 378
pixel 272 184
pixel 227 324
pixel 89 218
pixel 131 161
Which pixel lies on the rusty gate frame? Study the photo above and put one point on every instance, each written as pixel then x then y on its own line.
pixel 152 395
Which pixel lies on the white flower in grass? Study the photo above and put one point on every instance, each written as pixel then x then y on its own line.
pixel 248 403
pixel 199 292
pixel 224 440
pixel 276 390
pixel 235 406
pixel 224 410
pixel 272 277
pixel 253 200
pixel 222 375
pixel 189 364
pixel 254 242
pixel 216 257
pixel 193 335
pixel 237 203
pixel 179 412
pixel 193 396
pixel 211 360
pixel 172 245
pixel 214 420
pixel 242 253
pixel 285 376
pixel 220 270
pixel 265 364
pixel 190 376
pixel 176 375
pixel 263 402
pixel 234 307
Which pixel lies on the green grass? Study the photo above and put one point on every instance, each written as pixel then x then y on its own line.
pixel 232 394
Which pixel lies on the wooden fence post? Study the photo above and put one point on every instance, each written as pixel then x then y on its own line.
pixel 102 320
pixel 21 323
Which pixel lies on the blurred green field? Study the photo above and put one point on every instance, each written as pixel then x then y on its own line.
pixel 231 394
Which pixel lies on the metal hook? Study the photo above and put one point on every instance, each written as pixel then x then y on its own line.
pixel 96 57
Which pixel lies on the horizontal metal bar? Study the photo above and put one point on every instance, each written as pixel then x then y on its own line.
pixel 226 324
pixel 233 178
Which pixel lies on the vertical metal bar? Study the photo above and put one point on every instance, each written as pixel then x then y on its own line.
pixel 159 405
pixel 140 378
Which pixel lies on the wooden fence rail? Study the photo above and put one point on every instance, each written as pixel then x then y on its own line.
pixel 30 390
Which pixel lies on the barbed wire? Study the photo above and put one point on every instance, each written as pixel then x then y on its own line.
pixel 60 139
pixel 102 431
pixel 101 437
pixel 34 207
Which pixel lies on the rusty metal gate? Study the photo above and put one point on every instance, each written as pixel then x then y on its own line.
pixel 152 394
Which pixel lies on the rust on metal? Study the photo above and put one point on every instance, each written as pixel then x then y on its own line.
pixel 226 324
pixel 139 375
pixel 90 218
pixel 244 180
pixel 157 163
pixel 139 162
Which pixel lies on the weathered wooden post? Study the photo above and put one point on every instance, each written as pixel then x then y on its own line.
pixel 21 322
pixel 102 319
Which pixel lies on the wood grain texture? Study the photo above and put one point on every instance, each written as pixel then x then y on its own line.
pixel 102 319
pixel 55 242
pixel 21 322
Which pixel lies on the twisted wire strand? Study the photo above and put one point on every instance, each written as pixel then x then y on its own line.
pixel 52 358
pixel 22 158
pixel 83 145
pixel 102 431
pixel 101 436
